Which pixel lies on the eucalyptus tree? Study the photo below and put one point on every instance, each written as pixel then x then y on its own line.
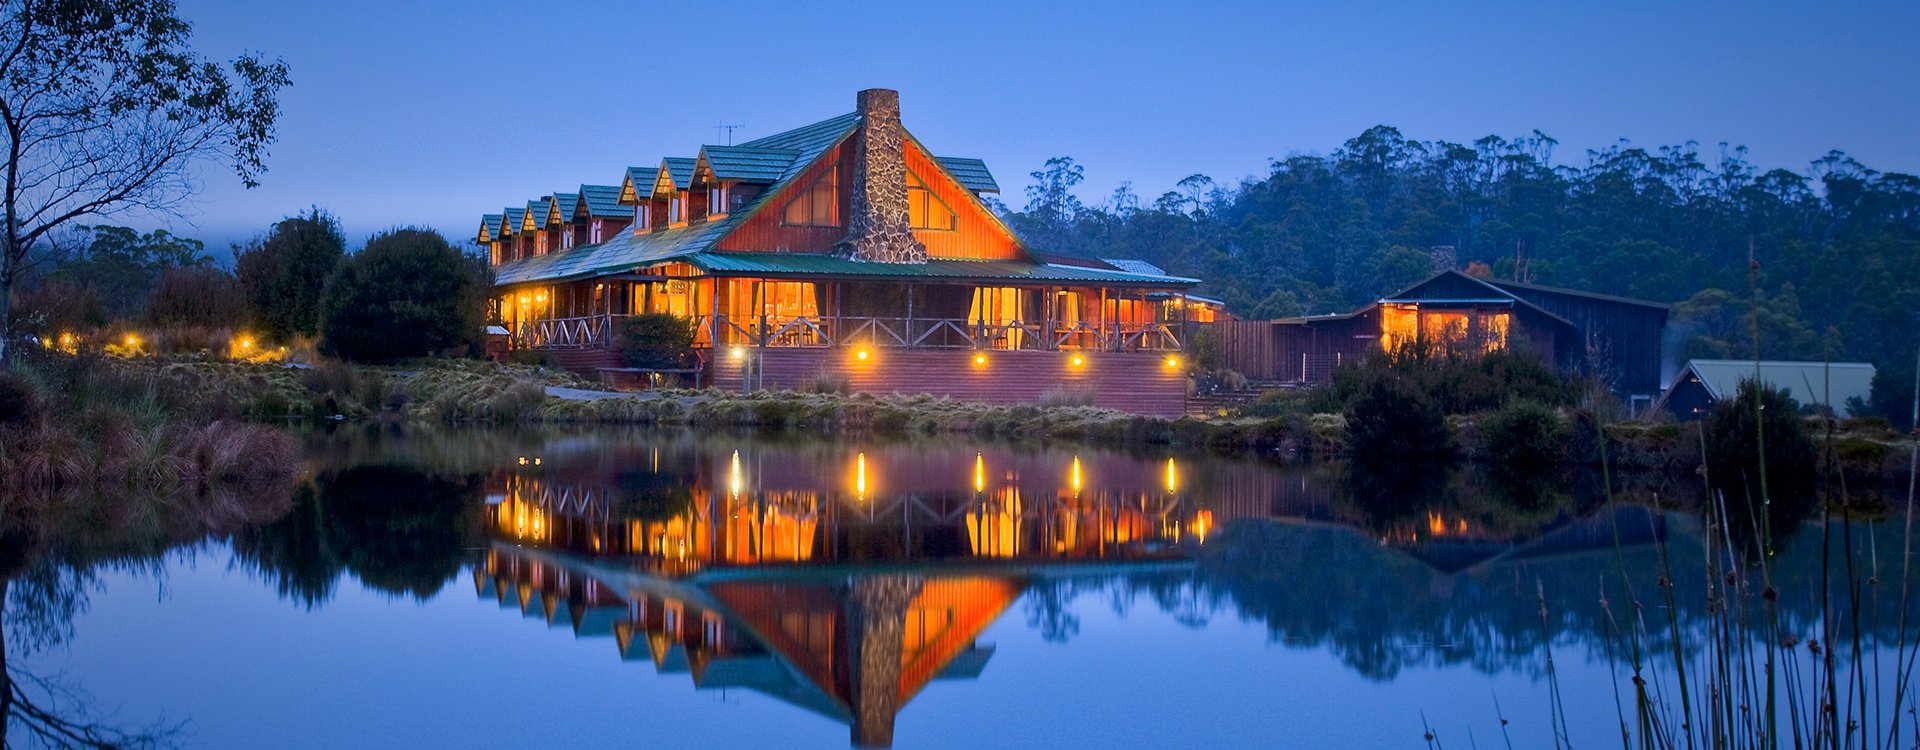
pixel 106 109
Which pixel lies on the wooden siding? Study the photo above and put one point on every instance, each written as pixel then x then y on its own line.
pixel 1627 336
pixel 976 236
pixel 765 233
pixel 1134 382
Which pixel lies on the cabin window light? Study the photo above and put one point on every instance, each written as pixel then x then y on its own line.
pixel 818 205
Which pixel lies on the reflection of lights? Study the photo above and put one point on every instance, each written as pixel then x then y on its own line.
pixel 860 474
pixel 1173 477
pixel 1202 523
pixel 1076 475
pixel 734 474
pixel 979 473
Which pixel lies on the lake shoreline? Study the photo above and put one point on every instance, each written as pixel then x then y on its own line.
pixel 477 392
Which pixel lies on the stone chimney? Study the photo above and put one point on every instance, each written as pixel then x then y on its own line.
pixel 878 230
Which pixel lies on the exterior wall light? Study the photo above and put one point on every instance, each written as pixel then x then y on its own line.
pixel 739 352
pixel 1173 362
pixel 1077 360
pixel 860 354
pixel 980 359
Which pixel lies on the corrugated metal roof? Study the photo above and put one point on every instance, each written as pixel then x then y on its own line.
pixel 635 178
pixel 512 218
pixel 1135 265
pixel 748 164
pixel 807 264
pixel 1806 382
pixel 681 169
pixel 972 173
pixel 603 201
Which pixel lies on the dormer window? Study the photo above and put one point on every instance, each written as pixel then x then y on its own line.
pixel 676 209
pixel 717 199
pixel 594 236
pixel 925 210
pixel 566 240
pixel 642 216
pixel 818 205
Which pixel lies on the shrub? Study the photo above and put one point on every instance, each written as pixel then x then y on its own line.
pixel 406 294
pixel 1524 434
pixel 656 341
pixel 1063 396
pixel 196 297
pixel 283 274
pixel 1734 431
pixel 826 382
pixel 19 402
pixel 1390 417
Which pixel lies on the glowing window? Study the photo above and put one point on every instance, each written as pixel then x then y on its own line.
pixel 925 210
pixel 818 205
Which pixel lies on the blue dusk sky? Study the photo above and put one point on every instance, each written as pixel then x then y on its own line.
pixel 433 113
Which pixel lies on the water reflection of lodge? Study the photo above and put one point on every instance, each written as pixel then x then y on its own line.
pixel 738 515
pixel 746 573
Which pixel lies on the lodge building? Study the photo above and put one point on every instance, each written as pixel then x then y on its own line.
pixel 843 249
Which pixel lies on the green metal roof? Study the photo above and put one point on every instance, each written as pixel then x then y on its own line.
pixel 537 209
pixel 681 169
pixel 513 217
pixel 603 201
pixel 808 264
pixel 489 225
pixel 569 203
pixel 692 243
pixel 748 164
pixel 972 173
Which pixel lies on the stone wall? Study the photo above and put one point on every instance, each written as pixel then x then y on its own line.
pixel 878 229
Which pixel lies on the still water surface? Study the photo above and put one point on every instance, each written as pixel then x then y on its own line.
pixel 613 588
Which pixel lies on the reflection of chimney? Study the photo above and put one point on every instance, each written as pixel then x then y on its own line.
pixel 877 225
pixel 876 635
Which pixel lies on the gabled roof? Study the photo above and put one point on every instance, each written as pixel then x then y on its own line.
pixel 1461 288
pixel 489 224
pixel 1511 285
pixel 972 173
pixel 565 204
pixel 693 243
pixel 536 215
pixel 679 168
pixel 602 201
pixel 1807 382
pixel 511 219
pixel 747 164
pixel 631 182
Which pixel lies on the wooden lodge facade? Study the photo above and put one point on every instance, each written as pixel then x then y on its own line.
pixel 1616 338
pixel 846 250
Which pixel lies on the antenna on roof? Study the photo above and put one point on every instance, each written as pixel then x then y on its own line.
pixel 726 131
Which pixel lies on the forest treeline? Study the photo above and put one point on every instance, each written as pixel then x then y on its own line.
pixel 1835 249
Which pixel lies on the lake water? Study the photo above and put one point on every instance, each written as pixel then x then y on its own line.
pixel 611 588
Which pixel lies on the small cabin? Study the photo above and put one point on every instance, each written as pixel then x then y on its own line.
pixel 1703 382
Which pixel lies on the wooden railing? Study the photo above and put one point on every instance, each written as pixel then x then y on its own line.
pixel 891 333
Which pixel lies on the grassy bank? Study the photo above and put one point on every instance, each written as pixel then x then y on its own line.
pixel 1293 426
